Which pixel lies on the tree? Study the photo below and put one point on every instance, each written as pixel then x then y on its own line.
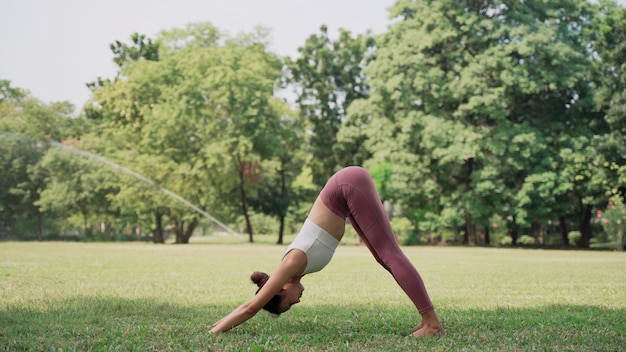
pixel 141 48
pixel 280 173
pixel 77 189
pixel 19 181
pixel 608 38
pixel 328 77
pixel 596 169
pixel 28 127
pixel 477 97
pixel 205 110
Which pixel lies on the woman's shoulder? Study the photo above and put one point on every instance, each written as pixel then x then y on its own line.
pixel 293 264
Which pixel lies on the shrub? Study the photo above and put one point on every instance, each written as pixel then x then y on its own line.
pixel 526 240
pixel 261 224
pixel 505 241
pixel 613 220
pixel 574 237
pixel 404 231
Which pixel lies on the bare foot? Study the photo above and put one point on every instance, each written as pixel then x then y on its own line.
pixel 427 330
pixel 430 326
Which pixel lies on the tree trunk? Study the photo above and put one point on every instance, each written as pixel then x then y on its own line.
pixel 284 205
pixel 158 231
pixel 514 232
pixel 182 234
pixel 535 231
pixel 281 230
pixel 585 227
pixel 244 205
pixel 487 236
pixel 187 234
pixel 86 231
pixel 469 236
pixel 178 232
pixel 39 225
pixel 564 232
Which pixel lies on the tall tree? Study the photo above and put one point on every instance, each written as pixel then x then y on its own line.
pixel 477 96
pixel 608 40
pixel 20 181
pixel 77 189
pixel 280 173
pixel 206 110
pixel 27 127
pixel 328 77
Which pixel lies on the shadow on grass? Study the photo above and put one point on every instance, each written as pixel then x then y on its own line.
pixel 142 325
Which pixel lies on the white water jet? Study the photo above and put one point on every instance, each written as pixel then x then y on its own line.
pixel 144 179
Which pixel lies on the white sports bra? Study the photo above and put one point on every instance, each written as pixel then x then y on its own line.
pixel 317 244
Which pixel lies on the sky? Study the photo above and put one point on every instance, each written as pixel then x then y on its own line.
pixel 52 48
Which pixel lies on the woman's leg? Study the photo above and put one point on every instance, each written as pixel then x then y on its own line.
pixel 361 204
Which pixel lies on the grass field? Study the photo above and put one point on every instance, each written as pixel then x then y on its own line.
pixel 145 297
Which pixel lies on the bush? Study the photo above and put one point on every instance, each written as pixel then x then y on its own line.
pixel 613 220
pixel 404 231
pixel 526 240
pixel 574 237
pixel 600 237
pixel 450 236
pixel 97 236
pixel 553 240
pixel 505 241
pixel 261 224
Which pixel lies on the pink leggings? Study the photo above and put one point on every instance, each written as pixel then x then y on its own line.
pixel 350 193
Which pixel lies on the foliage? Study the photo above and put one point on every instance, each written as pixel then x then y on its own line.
pixel 203 114
pixel 327 78
pixel 574 237
pixel 77 190
pixel 526 240
pixel 505 241
pixel 478 114
pixel 25 127
pixel 404 231
pixel 19 179
pixel 613 220
pixel 609 38
pixel 463 112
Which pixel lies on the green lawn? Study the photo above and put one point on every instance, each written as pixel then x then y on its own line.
pixel 143 297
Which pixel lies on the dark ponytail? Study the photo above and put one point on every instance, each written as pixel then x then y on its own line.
pixel 260 278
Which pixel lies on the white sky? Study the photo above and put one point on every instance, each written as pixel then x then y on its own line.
pixel 53 47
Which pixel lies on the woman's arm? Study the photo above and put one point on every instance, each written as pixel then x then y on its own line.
pixel 291 266
pixel 236 317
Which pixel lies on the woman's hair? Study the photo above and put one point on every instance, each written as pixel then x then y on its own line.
pixel 260 278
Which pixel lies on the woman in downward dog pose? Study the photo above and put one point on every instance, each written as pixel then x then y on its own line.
pixel 351 194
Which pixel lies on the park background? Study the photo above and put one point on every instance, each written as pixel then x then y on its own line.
pixel 494 131
pixel 490 123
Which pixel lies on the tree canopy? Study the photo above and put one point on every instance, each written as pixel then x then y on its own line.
pixel 488 122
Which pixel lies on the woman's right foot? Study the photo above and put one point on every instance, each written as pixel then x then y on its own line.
pixel 430 326
pixel 418 327
pixel 427 330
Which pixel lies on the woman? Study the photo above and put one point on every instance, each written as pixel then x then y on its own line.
pixel 351 194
